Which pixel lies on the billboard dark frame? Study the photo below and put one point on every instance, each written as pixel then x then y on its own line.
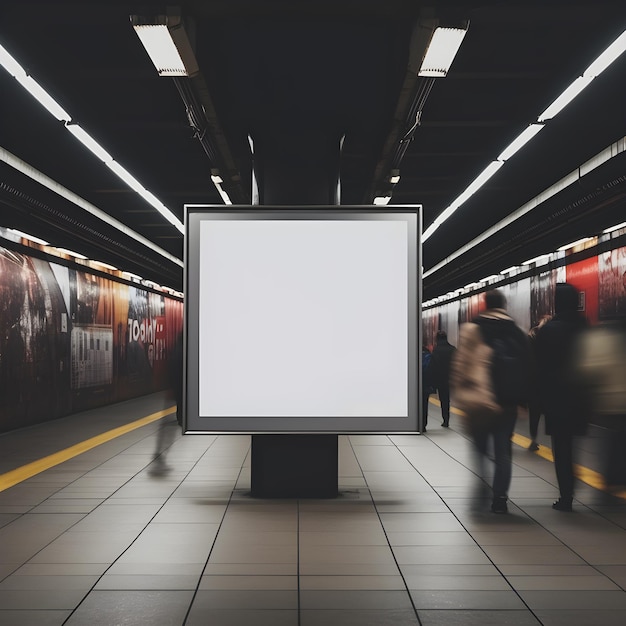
pixel 227 246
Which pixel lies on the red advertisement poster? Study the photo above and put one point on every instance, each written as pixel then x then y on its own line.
pixel 584 276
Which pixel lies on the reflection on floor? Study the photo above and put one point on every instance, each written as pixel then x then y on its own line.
pixel 117 536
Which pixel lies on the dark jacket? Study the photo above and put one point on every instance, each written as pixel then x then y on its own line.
pixel 563 399
pixel 496 325
pixel 440 363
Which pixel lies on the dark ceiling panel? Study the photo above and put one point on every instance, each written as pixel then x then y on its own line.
pixel 336 65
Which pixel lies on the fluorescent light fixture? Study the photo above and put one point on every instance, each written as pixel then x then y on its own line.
pixel 106 265
pixel 19 233
pixel 132 276
pixel 565 98
pixel 599 65
pixel 574 244
pixel 29 171
pixel 136 186
pixel 521 140
pixel 607 57
pixel 71 253
pixel 394 177
pixel 89 142
pixel 166 41
pixel 217 179
pixel 488 278
pixel 11 65
pixel 382 200
pixel 509 270
pixel 444 45
pixel 32 86
pixel 225 197
pixel 54 108
pixel 538 260
pixel 613 228
pixel 472 188
pixel 471 285
pixel 161 49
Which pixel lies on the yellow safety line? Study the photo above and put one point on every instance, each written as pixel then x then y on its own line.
pixel 590 477
pixel 9 479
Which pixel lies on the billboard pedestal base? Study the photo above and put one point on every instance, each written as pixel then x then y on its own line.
pixel 295 466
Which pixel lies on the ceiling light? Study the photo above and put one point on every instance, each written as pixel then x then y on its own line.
pixel 89 142
pixel 382 200
pixel 394 177
pixel 167 44
pixel 71 253
pixel 161 49
pixel 565 98
pixel 613 228
pixel 32 86
pixel 521 140
pixel 444 45
pixel 148 196
pixel 575 243
pixel 106 265
pixel 133 276
pixel 509 270
pixel 217 179
pixel 19 233
pixel 607 57
pixel 538 260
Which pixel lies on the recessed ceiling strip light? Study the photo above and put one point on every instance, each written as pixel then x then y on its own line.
pixel 18 72
pixel 608 153
pixel 599 65
pixel 42 179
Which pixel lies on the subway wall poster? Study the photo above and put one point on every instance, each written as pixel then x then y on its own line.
pixel 72 340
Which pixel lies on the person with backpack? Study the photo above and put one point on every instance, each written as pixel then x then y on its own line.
pixel 440 363
pixel 489 381
pixel 564 398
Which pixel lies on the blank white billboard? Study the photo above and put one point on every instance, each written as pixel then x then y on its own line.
pixel 301 320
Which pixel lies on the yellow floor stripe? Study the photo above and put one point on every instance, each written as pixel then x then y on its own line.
pixel 588 476
pixel 9 479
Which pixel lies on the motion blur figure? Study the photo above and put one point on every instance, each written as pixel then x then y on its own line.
pixel 534 410
pixel 440 363
pixel 563 399
pixel 603 366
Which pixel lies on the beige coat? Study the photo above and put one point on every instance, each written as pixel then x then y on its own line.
pixel 470 376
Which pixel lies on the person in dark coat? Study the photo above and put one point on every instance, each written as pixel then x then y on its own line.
pixel 440 364
pixel 534 409
pixel 562 397
pixel 427 383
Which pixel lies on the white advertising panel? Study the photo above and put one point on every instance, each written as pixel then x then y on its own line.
pixel 301 319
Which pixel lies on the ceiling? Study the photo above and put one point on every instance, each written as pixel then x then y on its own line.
pixel 339 67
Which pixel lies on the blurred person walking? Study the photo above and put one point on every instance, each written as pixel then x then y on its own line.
pixel 427 383
pixel 563 398
pixel 489 380
pixel 603 369
pixel 534 409
pixel 441 362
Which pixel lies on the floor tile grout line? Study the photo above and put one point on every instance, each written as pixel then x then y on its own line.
pixel 393 554
pixel 230 499
pixel 142 530
pixel 467 531
pixel 92 469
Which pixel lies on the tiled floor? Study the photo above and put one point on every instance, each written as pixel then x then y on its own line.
pixel 113 537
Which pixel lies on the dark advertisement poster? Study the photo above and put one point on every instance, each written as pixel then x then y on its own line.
pixel 71 340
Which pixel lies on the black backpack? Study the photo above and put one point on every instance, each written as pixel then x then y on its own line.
pixel 509 368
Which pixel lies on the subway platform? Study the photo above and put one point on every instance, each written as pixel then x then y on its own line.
pixel 111 517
